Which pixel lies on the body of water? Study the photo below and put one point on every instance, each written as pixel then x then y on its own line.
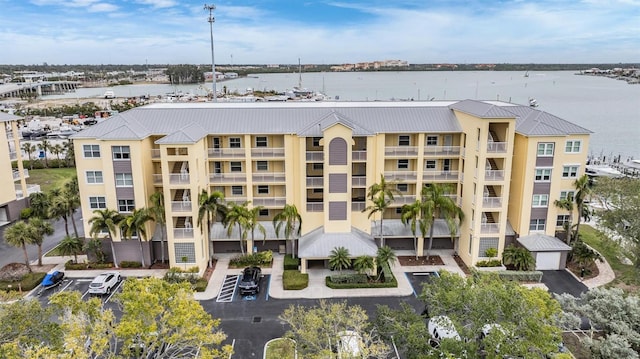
pixel 609 108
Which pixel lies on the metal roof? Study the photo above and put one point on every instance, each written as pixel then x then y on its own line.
pixel 395 228
pixel 318 244
pixel 481 109
pixel 5 117
pixel 532 122
pixel 539 242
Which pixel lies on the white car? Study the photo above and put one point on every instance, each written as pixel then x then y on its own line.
pixel 104 283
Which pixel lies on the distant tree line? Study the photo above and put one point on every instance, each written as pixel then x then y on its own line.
pixel 185 74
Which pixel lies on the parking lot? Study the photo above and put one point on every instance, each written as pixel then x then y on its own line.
pixel 229 291
pixel 74 284
pixel 418 279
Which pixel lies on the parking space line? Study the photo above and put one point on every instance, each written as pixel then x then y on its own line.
pixel 66 286
pixel 266 295
pixel 412 288
pixel 113 291
pixel 84 294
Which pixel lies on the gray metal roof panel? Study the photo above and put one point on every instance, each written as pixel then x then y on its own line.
pixel 481 109
pixel 395 228
pixel 539 242
pixel 318 244
pixel 533 122
pixel 5 117
pixel 192 133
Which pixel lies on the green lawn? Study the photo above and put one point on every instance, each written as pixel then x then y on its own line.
pixel 49 178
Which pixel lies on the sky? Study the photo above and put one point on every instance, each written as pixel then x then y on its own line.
pixel 319 32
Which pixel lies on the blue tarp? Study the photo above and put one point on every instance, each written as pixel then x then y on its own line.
pixel 52 278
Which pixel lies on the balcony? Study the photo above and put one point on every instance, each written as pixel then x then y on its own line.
pixel 359 156
pixel 179 178
pixel 13 155
pixel 260 177
pixel 269 201
pixel 490 228
pixel 157 178
pixel 315 156
pixel 262 152
pixel 31 188
pixel 181 206
pixel 403 151
pixel 358 181
pixel 315 182
pixel 236 200
pixel 226 152
pixel 358 206
pixel 494 175
pixel 497 147
pixel 182 233
pixel 442 151
pixel 315 206
pixel 440 176
pixel 401 176
pixel 491 202
pixel 155 153
pixel 240 177
pixel 16 174
pixel 402 200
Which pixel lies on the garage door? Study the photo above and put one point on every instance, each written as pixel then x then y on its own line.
pixel 548 260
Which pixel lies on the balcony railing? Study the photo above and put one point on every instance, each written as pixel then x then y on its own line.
pixel 401 151
pixel 267 152
pixel 269 201
pixel 16 174
pixel 179 178
pixel 13 155
pixel 359 155
pixel 494 175
pixel 440 175
pixel 268 177
pixel 31 188
pixel 181 206
pixel 315 207
pixel 236 200
pixel 402 200
pixel 155 153
pixel 183 233
pixel 226 152
pixel 157 178
pixel 315 156
pixel 358 206
pixel 497 147
pixel 315 182
pixel 228 177
pixel 492 202
pixel 442 150
pixel 489 227
pixel 401 176
pixel 358 181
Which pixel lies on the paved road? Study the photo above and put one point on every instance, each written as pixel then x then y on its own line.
pixel 561 281
pixel 10 254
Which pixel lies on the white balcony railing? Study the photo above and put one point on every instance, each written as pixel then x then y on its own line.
pixel 489 227
pixel 401 151
pixel 260 177
pixel 269 201
pixel 236 200
pixel 155 153
pixel 181 206
pixel 492 202
pixel 228 177
pixel 315 156
pixel 16 174
pixel 494 175
pixel 315 182
pixel 401 176
pixel 402 200
pixel 226 152
pixel 181 178
pixel 31 188
pixel 497 147
pixel 157 178
pixel 13 155
pixel 358 181
pixel 183 233
pixel 359 155
pixel 267 152
pixel 442 150
pixel 315 206
pixel 440 175
pixel 358 206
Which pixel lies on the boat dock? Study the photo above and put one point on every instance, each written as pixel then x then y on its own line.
pixel 19 89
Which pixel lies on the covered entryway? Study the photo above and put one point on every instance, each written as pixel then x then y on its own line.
pixel 549 252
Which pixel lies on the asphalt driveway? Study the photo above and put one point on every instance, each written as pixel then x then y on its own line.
pixel 561 281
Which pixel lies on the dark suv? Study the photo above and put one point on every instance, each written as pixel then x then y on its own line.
pixel 250 281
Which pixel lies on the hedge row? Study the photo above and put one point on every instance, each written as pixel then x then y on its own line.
pixel 489 263
pixel 521 276
pixel 130 264
pixel 294 280
pixel 387 280
pixel 291 263
pixel 255 259
pixel 71 265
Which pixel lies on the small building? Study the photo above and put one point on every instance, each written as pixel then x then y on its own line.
pixel 549 252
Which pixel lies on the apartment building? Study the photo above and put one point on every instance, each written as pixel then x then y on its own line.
pixel 505 165
pixel 15 190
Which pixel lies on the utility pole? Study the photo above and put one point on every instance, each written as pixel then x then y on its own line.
pixel 213 62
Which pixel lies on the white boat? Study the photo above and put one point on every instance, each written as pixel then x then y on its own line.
pixel 109 94
pixel 602 171
pixel 533 102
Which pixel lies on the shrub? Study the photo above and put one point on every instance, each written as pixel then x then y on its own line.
pixel 491 252
pixel 70 265
pixel 94 265
pixel 130 264
pixel 201 285
pixel 177 275
pixel 521 276
pixel 27 283
pixel 291 263
pixel 519 258
pixel 256 259
pixel 489 263
pixel 26 213
pixel 294 280
pixel 348 278
pixel 350 281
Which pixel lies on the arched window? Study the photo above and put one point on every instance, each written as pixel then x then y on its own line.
pixel 338 152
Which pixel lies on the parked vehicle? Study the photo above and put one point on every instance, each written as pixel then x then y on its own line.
pixel 250 281
pixel 104 283
pixel 441 327
pixel 350 344
pixel 52 279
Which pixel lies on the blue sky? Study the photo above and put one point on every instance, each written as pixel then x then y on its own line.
pixel 319 32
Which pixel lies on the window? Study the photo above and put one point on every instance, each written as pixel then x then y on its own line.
pixel 124 180
pixel 430 165
pixel 572 146
pixel 318 166
pixel 236 190
pixel 185 250
pixel 91 151
pixel 570 171
pixel 399 210
pixel 316 141
pixel 126 205
pixel 263 212
pixel 234 142
pixel 545 149
pixel 318 190
pixel 567 195
pixel 262 166
pixel 403 164
pixel 402 187
pixel 432 140
pixel 120 152
pixel 261 141
pixel 543 174
pixel 562 220
pixel 537 225
pixel 94 177
pixel 97 202
pixel 540 200
pixel 236 166
pixel 263 189
pixel 403 140
pixel 470 243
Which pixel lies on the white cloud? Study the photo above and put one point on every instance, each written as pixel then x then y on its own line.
pixel 158 3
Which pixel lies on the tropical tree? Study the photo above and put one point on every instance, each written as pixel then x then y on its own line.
pixel 253 223
pixel 437 204
pixel 94 246
pixel 157 211
pixel 381 194
pixel 412 215
pixel 380 204
pixel 45 146
pixel 57 149
pixel 291 221
pixel 18 235
pixel 136 223
pixel 583 191
pixel 70 246
pixel 105 220
pixel 518 257
pixel 364 264
pixel 339 259
pixel 567 205
pixel 59 208
pixel 29 148
pixel 69 153
pixel 384 257
pixel 238 215
pixel 39 204
pixel 211 206
pixel 71 195
pixel 38 228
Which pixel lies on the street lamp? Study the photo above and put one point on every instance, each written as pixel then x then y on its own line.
pixel 213 63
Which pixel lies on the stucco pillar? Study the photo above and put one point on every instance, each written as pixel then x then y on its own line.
pixel 420 247
pixel 249 246
pixel 303 265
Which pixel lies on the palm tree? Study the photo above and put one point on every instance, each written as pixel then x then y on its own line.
pixel 39 204
pixel 291 220
pixel 70 246
pixel 71 194
pixel 253 223
pixel 29 148
pixel 412 214
pixel 566 204
pixel 339 259
pixel 69 153
pixel 518 257
pixel 385 256
pixel 59 209
pixel 238 215
pixel 381 194
pixel 105 220
pixel 583 190
pixel 157 211
pixel 136 223
pixel 380 204
pixel 38 229
pixel 363 264
pixel 94 245
pixel 57 150
pixel 18 235
pixel 436 204
pixel 45 146
pixel 210 207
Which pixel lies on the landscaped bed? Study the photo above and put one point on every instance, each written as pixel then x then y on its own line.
pixel 421 261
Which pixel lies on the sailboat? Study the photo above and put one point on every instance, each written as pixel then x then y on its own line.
pixel 299 91
pixel 526 74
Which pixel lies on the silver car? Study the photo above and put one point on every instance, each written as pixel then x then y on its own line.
pixel 104 283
